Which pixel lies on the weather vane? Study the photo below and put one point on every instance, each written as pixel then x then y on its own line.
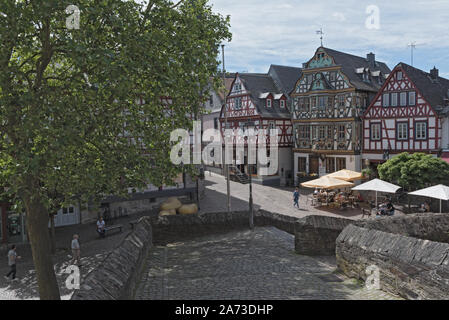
pixel 321 33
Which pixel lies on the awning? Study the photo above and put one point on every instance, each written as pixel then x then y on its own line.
pixel 327 183
pixel 438 192
pixel 347 175
pixel 377 185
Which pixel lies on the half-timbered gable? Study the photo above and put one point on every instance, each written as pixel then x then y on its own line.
pixel 262 102
pixel 328 99
pixel 255 101
pixel 407 115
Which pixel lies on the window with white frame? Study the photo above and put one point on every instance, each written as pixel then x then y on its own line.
pixel 282 103
pixel 402 131
pixel 403 99
pixel 386 100
pixel 322 132
pixel 421 130
pixel 412 98
pixel 341 101
pixel 399 75
pixel 341 131
pixel 238 87
pixel 238 103
pixel 375 131
pixel 269 102
pixel 322 101
pixel 304 132
pixel 394 99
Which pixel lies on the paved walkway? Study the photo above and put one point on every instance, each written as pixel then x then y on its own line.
pixel 245 265
pixel 273 199
pixel 93 252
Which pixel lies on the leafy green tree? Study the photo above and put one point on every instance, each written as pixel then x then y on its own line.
pixel 69 122
pixel 415 171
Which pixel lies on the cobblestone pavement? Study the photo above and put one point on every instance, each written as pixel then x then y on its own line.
pixel 93 252
pixel 268 198
pixel 245 265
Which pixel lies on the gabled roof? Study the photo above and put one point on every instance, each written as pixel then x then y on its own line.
pixel 350 63
pixel 259 85
pixel 229 79
pixel 285 77
pixel 433 90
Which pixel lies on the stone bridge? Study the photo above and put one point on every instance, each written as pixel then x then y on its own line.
pixel 215 256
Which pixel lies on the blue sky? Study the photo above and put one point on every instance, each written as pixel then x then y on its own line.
pixel 284 31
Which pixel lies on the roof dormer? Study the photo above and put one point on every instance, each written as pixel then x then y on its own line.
pixel 268 97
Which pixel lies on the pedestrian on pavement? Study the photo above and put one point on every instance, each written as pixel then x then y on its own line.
pixel 12 258
pixel 76 250
pixel 296 198
pixel 101 227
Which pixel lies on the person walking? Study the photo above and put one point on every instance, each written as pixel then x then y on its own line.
pixel 101 227
pixel 296 198
pixel 12 259
pixel 75 250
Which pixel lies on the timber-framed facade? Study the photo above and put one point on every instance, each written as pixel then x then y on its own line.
pixel 329 99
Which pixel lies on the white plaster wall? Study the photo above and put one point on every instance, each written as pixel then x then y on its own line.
pixel 285 160
pixel 445 134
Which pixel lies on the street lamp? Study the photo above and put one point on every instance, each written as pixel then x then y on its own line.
pixel 228 186
pixel 251 207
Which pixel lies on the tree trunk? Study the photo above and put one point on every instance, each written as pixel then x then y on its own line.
pixel 37 225
pixel 52 233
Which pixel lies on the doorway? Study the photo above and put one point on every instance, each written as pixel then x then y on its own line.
pixel 313 165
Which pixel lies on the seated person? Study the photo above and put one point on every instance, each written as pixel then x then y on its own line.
pixel 316 192
pixel 101 227
pixel 425 207
pixel 386 209
pixel 390 208
pixel 359 197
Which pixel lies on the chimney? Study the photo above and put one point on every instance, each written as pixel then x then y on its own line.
pixel 434 73
pixel 371 58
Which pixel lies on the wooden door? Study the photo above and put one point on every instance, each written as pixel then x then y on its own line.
pixel 313 165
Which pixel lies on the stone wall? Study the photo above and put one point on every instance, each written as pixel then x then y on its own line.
pixel 316 235
pixel 426 226
pixel 118 275
pixel 280 221
pixel 410 265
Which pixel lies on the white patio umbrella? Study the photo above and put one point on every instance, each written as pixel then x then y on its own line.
pixel 378 186
pixel 438 192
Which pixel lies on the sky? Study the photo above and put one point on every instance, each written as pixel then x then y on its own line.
pixel 283 32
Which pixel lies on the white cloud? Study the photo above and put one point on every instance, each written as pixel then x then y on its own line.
pixel 339 16
pixel 270 31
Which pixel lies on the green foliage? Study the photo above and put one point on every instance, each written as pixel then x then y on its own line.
pixel 68 97
pixel 368 172
pixel 415 171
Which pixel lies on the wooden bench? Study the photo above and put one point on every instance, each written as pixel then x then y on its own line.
pixel 111 228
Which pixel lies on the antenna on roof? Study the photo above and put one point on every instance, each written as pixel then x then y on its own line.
pixel 412 47
pixel 321 33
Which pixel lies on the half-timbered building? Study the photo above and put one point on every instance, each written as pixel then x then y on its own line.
pixel 409 114
pixel 261 102
pixel 334 90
